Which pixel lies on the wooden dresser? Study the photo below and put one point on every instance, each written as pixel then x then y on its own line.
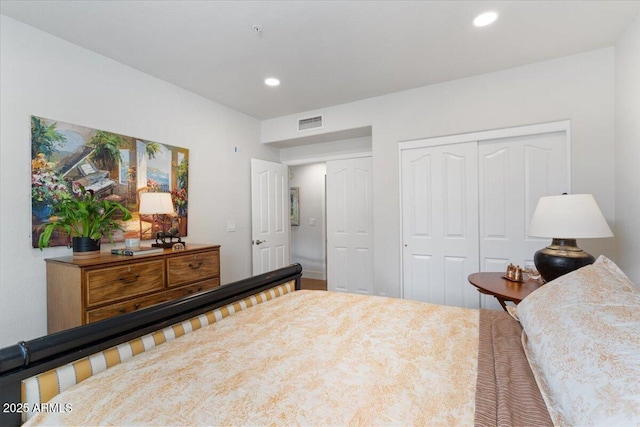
pixel 88 290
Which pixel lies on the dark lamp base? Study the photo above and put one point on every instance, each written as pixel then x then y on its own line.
pixel 562 256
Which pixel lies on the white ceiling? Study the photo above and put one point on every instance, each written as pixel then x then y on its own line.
pixel 324 52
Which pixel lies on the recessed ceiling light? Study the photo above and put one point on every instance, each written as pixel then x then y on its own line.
pixel 271 81
pixel 485 19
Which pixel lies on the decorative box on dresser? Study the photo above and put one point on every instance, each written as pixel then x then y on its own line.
pixel 81 291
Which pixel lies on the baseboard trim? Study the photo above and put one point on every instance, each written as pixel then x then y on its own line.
pixel 318 275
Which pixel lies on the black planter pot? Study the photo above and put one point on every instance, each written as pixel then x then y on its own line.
pixel 85 247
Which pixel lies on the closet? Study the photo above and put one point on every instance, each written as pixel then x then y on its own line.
pixel 466 203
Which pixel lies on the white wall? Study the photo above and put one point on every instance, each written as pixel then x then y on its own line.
pixel 578 88
pixel 307 239
pixel 340 149
pixel 48 77
pixel 627 174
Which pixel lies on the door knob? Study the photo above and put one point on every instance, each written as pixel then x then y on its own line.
pixel 257 242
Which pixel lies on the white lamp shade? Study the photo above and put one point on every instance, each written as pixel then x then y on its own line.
pixel 570 216
pixel 155 203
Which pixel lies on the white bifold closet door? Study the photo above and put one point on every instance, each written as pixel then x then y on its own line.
pixel 513 174
pixel 350 226
pixel 466 207
pixel 440 223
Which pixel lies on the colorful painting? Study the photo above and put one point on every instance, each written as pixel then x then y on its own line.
pixel 116 167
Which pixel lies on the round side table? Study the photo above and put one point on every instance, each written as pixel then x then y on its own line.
pixel 502 289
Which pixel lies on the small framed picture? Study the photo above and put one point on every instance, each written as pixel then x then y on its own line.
pixel 294 196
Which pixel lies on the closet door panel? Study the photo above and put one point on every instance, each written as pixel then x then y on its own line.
pixel 418 285
pixel 418 181
pixel 495 170
pixel 440 223
pixel 455 207
pixel 456 280
pixel 513 174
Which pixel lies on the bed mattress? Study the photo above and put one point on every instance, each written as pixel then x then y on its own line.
pixel 308 357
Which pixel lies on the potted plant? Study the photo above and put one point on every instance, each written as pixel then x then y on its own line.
pixel 86 219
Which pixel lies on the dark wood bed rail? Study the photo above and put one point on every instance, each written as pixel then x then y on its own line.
pixel 29 358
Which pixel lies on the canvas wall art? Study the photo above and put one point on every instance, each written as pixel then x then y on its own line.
pixel 65 156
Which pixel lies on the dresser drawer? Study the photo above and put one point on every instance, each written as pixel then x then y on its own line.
pixel 118 283
pixel 192 289
pixel 189 268
pixel 124 307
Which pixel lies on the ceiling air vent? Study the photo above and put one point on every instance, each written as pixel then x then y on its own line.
pixel 310 123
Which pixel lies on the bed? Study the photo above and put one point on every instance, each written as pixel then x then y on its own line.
pixel 261 351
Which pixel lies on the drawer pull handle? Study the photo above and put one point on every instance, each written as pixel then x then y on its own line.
pixel 195 266
pixel 129 280
pixel 137 306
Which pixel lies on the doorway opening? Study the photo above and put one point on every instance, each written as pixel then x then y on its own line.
pixel 335 211
pixel 309 237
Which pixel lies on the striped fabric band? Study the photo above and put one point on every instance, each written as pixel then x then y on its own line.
pixel 43 387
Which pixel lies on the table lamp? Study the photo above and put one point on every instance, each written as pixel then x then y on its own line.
pixel 566 218
pixel 155 203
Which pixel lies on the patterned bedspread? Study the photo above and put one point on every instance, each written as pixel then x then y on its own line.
pixel 308 357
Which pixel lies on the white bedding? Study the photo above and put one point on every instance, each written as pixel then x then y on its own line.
pixel 308 357
pixel 582 338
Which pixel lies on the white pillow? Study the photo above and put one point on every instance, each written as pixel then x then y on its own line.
pixel 582 337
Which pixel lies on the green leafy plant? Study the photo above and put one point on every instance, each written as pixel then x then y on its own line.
pixel 151 148
pixel 107 152
pixel 84 215
pixel 44 139
pixel 182 174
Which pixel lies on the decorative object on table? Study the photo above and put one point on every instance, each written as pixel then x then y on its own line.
pixel 132 243
pixel 294 196
pixel 161 205
pixel 131 240
pixel 566 218
pixel 531 273
pixel 86 219
pixel 513 273
pixel 113 166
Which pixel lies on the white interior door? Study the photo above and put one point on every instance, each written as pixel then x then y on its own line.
pixel 350 226
pixel 440 223
pixel 269 215
pixel 513 174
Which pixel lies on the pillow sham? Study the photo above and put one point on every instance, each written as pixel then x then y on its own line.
pixel 581 333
